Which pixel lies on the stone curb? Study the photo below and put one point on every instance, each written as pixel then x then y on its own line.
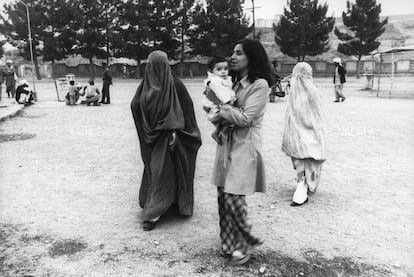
pixel 10 111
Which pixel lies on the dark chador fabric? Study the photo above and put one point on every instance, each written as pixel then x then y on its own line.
pixel 160 107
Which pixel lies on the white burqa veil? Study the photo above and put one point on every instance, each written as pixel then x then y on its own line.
pixel 304 134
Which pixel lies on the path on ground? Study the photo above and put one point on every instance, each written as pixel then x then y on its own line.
pixel 69 181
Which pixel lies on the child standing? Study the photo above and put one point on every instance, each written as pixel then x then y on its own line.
pixel 220 84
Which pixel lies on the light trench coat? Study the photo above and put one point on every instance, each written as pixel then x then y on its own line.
pixel 238 165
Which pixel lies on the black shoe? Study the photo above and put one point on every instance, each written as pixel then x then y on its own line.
pixel 294 204
pixel 149 225
pixel 225 255
pixel 336 101
pixel 343 99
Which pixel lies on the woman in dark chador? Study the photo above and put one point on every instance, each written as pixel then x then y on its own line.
pixel 169 138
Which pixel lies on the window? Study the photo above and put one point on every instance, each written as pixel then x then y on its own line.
pixel 320 66
pixel 351 66
pixel 403 66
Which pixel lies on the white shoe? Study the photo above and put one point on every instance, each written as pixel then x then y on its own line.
pixel 301 194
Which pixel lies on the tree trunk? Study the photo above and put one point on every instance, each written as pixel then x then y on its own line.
pixel 107 37
pixel 36 65
pixel 359 67
pixel 138 69
pixel 53 69
pixel 92 68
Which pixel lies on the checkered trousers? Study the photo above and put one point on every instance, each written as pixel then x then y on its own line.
pixel 234 229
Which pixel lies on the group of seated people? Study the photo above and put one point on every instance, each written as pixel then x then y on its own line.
pixel 75 91
pixel 24 94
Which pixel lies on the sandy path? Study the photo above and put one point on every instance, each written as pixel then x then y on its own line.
pixel 68 195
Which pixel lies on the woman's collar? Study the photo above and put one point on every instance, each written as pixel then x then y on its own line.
pixel 244 82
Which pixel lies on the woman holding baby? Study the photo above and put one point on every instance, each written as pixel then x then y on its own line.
pixel 238 168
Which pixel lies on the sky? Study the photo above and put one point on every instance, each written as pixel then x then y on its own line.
pixel 270 8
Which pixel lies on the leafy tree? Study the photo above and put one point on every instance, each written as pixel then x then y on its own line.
pixel 363 27
pixel 13 24
pixel 111 10
pixel 217 27
pixel 58 39
pixel 148 25
pixel 90 25
pixel 304 29
pixel 132 34
pixel 164 21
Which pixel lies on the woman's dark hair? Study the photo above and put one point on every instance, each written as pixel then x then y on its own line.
pixel 214 60
pixel 258 62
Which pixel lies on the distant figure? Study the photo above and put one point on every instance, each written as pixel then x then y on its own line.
pixel 11 77
pixel 73 94
pixel 304 134
pixel 1 82
pixel 339 80
pixel 107 81
pixel 92 94
pixel 169 138
pixel 24 89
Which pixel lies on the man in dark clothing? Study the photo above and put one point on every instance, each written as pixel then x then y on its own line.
pixel 107 81
pixel 23 88
pixel 1 83
pixel 339 80
pixel 10 76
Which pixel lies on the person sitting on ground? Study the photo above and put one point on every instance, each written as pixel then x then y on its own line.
pixel 220 84
pixel 73 94
pixel 23 88
pixel 92 94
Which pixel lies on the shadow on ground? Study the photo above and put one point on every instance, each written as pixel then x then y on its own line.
pixel 15 137
pixel 18 256
pixel 272 264
pixel 18 259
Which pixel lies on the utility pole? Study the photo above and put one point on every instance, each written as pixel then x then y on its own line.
pixel 30 44
pixel 254 18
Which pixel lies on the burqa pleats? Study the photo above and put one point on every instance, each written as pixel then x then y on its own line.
pixel 160 106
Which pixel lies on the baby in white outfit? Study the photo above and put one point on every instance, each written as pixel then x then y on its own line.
pixel 219 82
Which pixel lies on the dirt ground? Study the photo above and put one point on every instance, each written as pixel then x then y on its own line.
pixel 69 181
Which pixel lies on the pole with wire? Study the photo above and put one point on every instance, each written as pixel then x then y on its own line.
pixel 30 44
pixel 253 8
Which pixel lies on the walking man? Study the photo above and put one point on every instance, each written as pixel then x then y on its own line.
pixel 107 81
pixel 339 80
pixel 10 76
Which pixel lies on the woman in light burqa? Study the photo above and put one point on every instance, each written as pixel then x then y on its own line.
pixel 169 138
pixel 304 134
